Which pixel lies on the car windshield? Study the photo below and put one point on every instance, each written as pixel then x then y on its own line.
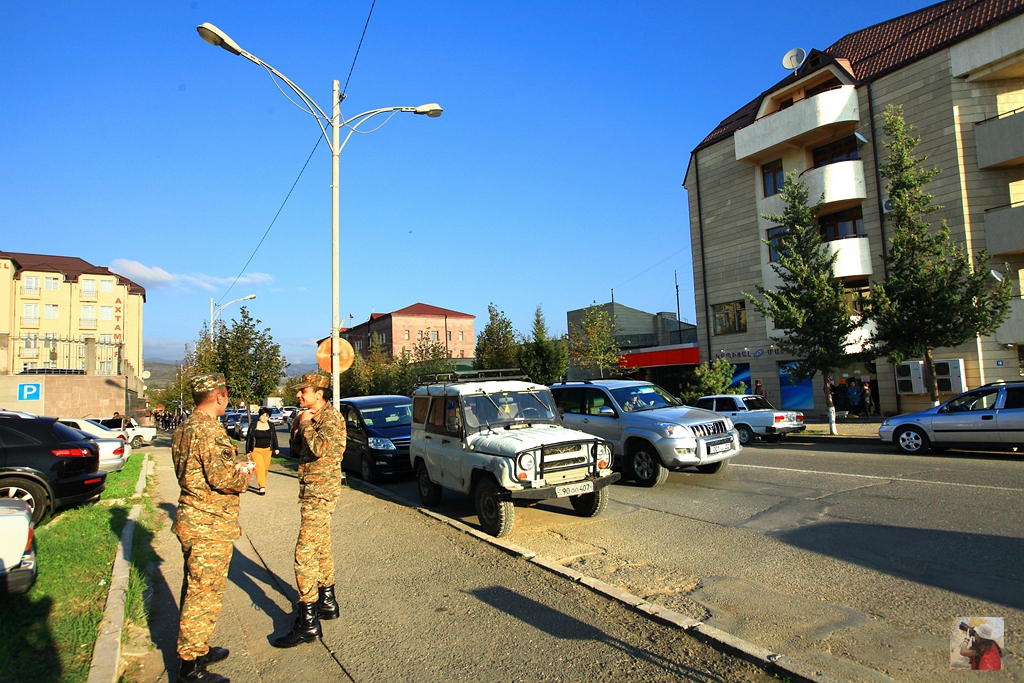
pixel 391 415
pixel 643 397
pixel 505 408
pixel 757 403
pixel 96 424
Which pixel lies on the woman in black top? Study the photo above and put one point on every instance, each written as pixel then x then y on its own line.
pixel 259 445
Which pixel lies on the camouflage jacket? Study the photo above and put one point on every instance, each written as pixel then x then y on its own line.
pixel 204 461
pixel 320 445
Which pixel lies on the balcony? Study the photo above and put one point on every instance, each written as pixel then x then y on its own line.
pixel 1000 140
pixel 842 182
pixel 1012 329
pixel 32 292
pixel 30 322
pixel 1004 230
pixel 29 353
pixel 854 256
pixel 87 323
pixel 87 295
pixel 806 120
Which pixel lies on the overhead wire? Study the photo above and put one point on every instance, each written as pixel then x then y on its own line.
pixel 358 47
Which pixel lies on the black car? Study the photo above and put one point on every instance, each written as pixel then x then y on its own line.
pixel 47 464
pixel 229 420
pixel 379 428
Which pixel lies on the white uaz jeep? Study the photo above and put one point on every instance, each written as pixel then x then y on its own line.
pixel 501 440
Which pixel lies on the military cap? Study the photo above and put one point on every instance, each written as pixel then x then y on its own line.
pixel 315 380
pixel 208 382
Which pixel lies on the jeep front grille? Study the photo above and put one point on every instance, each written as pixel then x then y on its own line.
pixel 709 429
pixel 563 457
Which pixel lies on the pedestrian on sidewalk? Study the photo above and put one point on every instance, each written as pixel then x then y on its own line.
pixel 853 396
pixel 206 523
pixel 867 400
pixel 318 438
pixel 759 389
pixel 260 445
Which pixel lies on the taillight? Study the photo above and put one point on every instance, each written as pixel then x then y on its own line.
pixel 800 417
pixel 28 546
pixel 92 481
pixel 122 437
pixel 780 418
pixel 72 452
pixel 119 451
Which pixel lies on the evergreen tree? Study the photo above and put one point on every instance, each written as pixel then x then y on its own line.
pixel 932 297
pixel 496 345
pixel 542 358
pixel 810 307
pixel 591 344
pixel 711 378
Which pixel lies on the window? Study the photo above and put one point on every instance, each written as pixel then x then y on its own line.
pixel 730 318
pixel 106 285
pixel 31 341
pixel 419 334
pixel 569 400
pixel 88 287
pixel 775 242
pixel 105 367
pixel 30 313
pixel 461 338
pixel 842 225
pixel 106 312
pixel 445 416
pixel 1014 399
pixel 822 87
pixel 419 409
pixel 51 311
pixel 52 283
pixel 107 339
pixel 858 294
pixel 435 336
pixel 28 366
pixel 30 285
pixel 773 177
pixel 786 103
pixel 407 334
pixel 49 340
pixel 88 315
pixel 836 151
pixel 449 333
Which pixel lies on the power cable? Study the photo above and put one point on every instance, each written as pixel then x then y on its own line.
pixel 358 47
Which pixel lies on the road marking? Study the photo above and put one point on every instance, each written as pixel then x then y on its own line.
pixel 875 476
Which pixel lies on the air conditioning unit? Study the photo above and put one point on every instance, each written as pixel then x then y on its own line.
pixel 949 374
pixel 910 377
pixel 887 205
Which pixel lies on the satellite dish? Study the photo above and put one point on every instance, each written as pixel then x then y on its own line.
pixel 146 374
pixel 794 59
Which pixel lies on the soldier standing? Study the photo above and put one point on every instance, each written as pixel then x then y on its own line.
pixel 318 438
pixel 206 523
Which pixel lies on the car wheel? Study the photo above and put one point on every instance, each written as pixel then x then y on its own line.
pixel 746 434
pixel 645 466
pixel 137 442
pixel 367 472
pixel 430 493
pixel 911 440
pixel 713 467
pixel 28 491
pixel 771 438
pixel 590 504
pixel 496 514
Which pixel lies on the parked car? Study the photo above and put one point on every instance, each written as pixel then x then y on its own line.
pixel 289 413
pixel 17 547
pixel 501 441
pixel 379 428
pixel 754 416
pixel 649 429
pixel 275 415
pixel 93 429
pixel 137 434
pixel 114 454
pixel 987 418
pixel 229 419
pixel 241 429
pixel 47 464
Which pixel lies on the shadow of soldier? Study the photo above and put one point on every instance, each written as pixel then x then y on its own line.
pixel 27 648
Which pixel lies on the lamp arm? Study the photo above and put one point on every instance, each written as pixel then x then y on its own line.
pixel 360 119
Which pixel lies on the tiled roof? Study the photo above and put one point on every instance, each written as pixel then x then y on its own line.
pixel 70 266
pixel 880 49
pixel 428 310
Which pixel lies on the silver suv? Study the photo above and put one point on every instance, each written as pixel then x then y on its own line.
pixel 649 429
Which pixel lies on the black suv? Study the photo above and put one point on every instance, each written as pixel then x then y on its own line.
pixel 47 464
pixel 378 429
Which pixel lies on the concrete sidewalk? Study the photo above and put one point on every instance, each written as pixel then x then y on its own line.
pixel 421 601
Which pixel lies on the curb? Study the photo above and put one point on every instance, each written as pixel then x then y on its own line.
pixel 772 662
pixel 106 654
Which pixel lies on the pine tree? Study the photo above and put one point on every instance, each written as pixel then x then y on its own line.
pixel 496 345
pixel 932 297
pixel 591 344
pixel 710 378
pixel 542 358
pixel 810 307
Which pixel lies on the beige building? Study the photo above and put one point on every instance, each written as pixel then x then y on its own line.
pixel 59 316
pixel 400 330
pixel 957 68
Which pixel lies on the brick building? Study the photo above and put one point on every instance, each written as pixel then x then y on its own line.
pixel 400 330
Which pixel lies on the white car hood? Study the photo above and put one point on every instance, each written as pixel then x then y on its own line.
pixel 509 442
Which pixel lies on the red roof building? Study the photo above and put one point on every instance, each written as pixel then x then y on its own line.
pixel 401 330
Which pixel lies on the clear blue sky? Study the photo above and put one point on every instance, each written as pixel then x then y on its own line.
pixel 553 176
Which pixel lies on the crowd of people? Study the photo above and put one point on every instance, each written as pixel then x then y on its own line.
pixel 855 397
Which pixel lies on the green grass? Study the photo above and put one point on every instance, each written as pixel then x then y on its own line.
pixel 122 484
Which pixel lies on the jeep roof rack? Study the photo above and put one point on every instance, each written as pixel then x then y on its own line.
pixel 473 375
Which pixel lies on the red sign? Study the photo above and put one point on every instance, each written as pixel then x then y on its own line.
pixel 658 358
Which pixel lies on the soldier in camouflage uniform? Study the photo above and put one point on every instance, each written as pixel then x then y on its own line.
pixel 318 438
pixel 206 523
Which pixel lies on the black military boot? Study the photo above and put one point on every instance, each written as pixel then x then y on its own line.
pixel 194 671
pixel 215 654
pixel 327 605
pixel 306 628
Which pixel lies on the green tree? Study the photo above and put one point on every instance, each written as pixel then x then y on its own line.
pixel 591 344
pixel 249 358
pixel 710 378
pixel 810 307
pixel 542 358
pixel 932 297
pixel 496 345
pixel 429 357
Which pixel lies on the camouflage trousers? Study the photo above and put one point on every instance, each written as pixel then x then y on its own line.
pixel 202 591
pixel 314 559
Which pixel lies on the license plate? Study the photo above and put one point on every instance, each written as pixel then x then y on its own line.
pixel 574 489
pixel 718 448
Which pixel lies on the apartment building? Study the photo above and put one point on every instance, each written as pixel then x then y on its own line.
pixel 957 69
pixel 400 330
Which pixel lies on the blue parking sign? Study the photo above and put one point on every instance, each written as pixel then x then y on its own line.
pixel 29 392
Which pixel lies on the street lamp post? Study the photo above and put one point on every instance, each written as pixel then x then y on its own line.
pixel 214 36
pixel 213 315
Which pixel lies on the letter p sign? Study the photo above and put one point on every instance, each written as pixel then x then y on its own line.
pixel 29 392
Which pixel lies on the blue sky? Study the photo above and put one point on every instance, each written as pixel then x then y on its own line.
pixel 553 176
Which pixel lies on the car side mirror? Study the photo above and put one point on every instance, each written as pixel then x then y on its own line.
pixel 606 411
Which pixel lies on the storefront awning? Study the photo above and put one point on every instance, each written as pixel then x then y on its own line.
pixel 660 357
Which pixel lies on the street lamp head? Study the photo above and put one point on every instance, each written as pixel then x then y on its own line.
pixel 214 36
pixel 432 110
pixel 246 298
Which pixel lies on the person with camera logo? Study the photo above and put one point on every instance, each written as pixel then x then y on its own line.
pixel 981 648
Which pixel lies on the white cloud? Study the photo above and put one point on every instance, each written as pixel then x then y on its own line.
pixel 158 278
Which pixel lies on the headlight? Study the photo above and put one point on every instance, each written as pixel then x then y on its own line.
pixel 526 461
pixel 885 422
pixel 728 424
pixel 675 431
pixel 604 451
pixel 380 444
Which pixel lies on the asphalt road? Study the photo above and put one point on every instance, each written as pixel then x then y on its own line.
pixel 840 552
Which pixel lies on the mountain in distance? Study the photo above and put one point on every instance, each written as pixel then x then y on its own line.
pixel 301 368
pixel 161 372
